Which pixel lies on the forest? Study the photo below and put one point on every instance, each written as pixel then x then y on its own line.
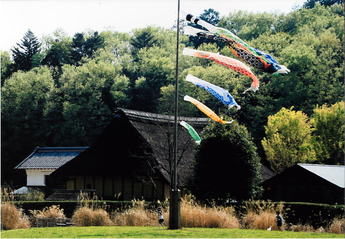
pixel 63 90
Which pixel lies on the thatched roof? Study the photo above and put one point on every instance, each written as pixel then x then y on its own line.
pixel 137 144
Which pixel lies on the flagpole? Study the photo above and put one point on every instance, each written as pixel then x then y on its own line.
pixel 174 212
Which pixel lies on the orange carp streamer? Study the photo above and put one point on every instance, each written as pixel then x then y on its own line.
pixel 207 111
pixel 229 62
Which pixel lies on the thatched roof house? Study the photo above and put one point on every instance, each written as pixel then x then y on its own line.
pixel 131 157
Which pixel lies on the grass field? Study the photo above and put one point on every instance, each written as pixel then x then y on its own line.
pixel 155 232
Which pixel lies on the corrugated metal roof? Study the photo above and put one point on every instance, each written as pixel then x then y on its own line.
pixel 332 173
pixel 49 157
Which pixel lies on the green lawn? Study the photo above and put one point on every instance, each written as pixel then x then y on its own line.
pixel 155 232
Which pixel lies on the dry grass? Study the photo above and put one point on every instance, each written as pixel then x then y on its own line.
pixel 195 215
pixel 85 216
pixel 136 216
pixel 53 211
pixel 302 228
pixel 6 194
pixel 192 215
pixel 337 226
pixel 12 217
pixel 262 220
pixel 101 218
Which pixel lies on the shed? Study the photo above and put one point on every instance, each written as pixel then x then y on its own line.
pixel 45 160
pixel 308 183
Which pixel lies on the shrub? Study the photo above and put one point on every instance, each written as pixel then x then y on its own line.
pixel 12 217
pixel 195 215
pixel 53 211
pixel 82 217
pixel 6 194
pixel 136 216
pixel 85 216
pixel 33 195
pixel 302 228
pixel 101 218
pixel 337 226
pixel 262 220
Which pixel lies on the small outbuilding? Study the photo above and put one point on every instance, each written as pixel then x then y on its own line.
pixel 45 160
pixel 315 183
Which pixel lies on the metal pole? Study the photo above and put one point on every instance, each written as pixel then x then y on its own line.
pixel 174 215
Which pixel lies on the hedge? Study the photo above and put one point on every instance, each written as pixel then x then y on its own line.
pixel 313 214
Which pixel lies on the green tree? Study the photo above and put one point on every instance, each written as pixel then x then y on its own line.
pixel 227 165
pixel 90 94
pixel 26 54
pixel 85 46
pixel 250 25
pixel 6 65
pixel 211 16
pixel 143 38
pixel 156 67
pixel 288 139
pixel 24 100
pixel 328 134
pixel 312 3
pixel 58 54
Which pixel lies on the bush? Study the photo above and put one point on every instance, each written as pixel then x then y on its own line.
pixel 12 217
pixel 317 215
pixel 195 215
pixel 301 228
pixel 136 216
pixel 337 226
pixel 70 206
pixel 53 211
pixel 85 216
pixel 262 220
pixel 34 195
pixel 227 154
pixel 101 218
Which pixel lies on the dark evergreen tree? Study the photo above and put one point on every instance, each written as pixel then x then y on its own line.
pixel 77 48
pixel 227 165
pixel 143 38
pixel 26 54
pixel 312 3
pixel 211 16
pixel 82 47
pixel 58 54
pixel 92 44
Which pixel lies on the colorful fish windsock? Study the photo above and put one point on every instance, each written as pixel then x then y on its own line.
pixel 231 63
pixel 191 131
pixel 207 111
pixel 238 47
pixel 218 92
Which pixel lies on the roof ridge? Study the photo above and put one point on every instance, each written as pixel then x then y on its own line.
pixel 134 114
pixel 62 148
pixel 322 165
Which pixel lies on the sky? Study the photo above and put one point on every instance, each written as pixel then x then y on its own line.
pixel 43 17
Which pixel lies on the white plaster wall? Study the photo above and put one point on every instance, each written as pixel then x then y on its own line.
pixel 36 177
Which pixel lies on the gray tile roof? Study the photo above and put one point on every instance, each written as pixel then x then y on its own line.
pixel 332 173
pixel 49 157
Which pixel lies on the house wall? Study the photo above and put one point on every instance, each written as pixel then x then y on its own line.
pixel 35 177
pixel 120 187
pixel 299 185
